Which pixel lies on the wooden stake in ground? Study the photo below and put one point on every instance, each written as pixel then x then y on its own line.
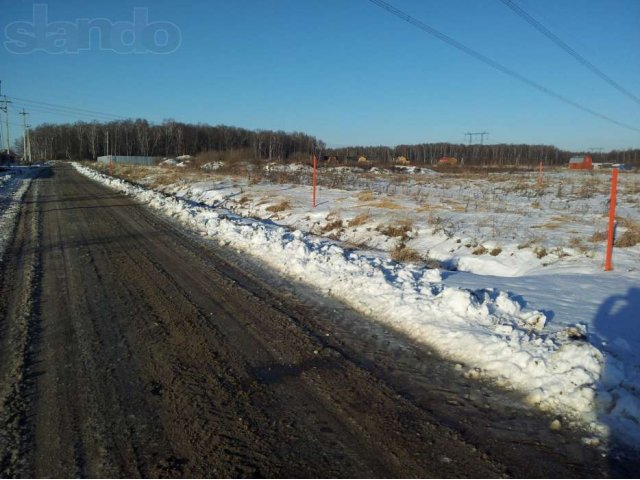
pixel 315 168
pixel 612 220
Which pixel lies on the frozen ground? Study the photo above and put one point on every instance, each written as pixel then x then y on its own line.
pixel 522 298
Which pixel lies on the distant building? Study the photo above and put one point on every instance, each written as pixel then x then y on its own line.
pixel 602 166
pixel 127 160
pixel 581 162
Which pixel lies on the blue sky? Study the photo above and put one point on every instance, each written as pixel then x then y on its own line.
pixel 348 72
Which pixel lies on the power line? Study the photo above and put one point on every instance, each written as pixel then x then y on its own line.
pixel 492 63
pixel 555 39
pixel 479 134
pixel 63 108
pixel 65 113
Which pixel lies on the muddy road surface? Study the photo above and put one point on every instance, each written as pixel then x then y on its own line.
pixel 129 347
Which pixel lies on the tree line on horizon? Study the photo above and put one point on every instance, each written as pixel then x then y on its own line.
pixel 89 140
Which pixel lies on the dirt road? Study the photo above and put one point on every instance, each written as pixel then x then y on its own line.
pixel 130 348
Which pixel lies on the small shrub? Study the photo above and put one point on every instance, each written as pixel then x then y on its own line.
pixel 495 251
pixel 279 207
pixel 402 253
pixel 559 252
pixel 333 225
pixel 401 230
pixel 540 252
pixel 630 237
pixel 575 242
pixel 434 220
pixel 479 250
pixel 598 236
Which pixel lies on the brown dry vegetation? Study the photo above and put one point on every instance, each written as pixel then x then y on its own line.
pixel 359 220
pixel 402 253
pixel 385 203
pixel 279 207
pixel 631 236
pixel 333 225
pixel 540 252
pixel 401 230
pixel 365 196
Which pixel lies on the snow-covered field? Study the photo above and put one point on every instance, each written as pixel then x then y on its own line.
pixel 521 297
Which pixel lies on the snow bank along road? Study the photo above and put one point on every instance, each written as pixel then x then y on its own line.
pixel 128 348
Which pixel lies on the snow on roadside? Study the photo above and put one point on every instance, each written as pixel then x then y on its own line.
pixel 486 329
pixel 12 189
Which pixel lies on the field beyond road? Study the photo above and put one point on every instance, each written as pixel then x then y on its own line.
pixel 128 347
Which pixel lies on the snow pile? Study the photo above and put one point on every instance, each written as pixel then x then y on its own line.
pixel 488 330
pixel 287 167
pixel 12 189
pixel 412 169
pixel 213 165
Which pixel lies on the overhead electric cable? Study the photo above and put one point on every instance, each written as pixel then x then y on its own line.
pixel 76 115
pixel 555 39
pixel 66 113
pixel 54 106
pixel 492 63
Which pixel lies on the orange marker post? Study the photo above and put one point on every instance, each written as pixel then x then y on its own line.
pixel 612 220
pixel 315 168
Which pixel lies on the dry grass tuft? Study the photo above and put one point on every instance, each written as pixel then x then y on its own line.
pixel 359 220
pixel 279 207
pixel 333 225
pixel 385 203
pixel 495 251
pixel 402 253
pixel 479 250
pixel 631 236
pixel 425 207
pixel 401 230
pixel 540 252
pixel 365 196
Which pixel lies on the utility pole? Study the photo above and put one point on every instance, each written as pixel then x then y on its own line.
pixel 107 152
pixel 25 137
pixel 5 108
